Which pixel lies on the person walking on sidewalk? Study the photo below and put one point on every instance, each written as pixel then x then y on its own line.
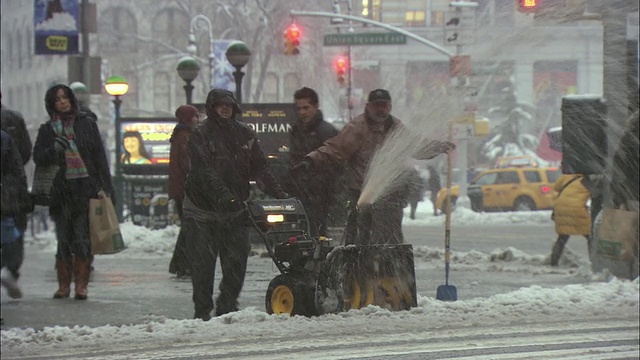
pixel 14 125
pixel 70 139
pixel 179 166
pixel 570 212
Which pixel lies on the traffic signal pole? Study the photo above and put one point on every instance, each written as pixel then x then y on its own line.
pixel 406 33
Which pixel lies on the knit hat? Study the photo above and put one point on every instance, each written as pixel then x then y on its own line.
pixel 185 113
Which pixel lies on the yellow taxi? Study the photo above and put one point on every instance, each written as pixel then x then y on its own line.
pixel 509 188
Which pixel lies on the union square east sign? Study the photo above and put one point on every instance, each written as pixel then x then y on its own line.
pixel 364 39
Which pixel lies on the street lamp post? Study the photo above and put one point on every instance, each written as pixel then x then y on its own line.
pixel 238 55
pixel 117 86
pixel 196 22
pixel 188 70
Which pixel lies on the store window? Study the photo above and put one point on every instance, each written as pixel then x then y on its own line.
pixel 170 28
pixel 117 28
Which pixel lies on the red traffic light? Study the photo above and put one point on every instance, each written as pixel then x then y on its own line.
pixel 292 40
pixel 527 6
pixel 342 65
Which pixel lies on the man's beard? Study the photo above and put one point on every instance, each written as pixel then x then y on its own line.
pixel 377 117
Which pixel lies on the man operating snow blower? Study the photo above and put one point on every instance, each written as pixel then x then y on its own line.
pixel 354 148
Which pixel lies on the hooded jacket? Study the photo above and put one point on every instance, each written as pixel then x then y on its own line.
pixel 179 163
pixel 73 194
pixel 13 123
pixel 570 211
pixel 225 156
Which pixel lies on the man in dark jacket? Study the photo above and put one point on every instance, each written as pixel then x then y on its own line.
pixel 435 185
pixel 15 200
pixel 14 125
pixel 309 132
pixel 225 156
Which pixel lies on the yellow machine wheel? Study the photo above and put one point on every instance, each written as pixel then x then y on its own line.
pixel 282 300
pixel 285 295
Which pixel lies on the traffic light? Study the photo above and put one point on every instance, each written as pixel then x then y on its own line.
pixel 527 6
pixel 342 68
pixel 292 40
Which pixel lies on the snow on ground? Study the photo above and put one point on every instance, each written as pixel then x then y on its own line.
pixel 572 302
pixel 533 303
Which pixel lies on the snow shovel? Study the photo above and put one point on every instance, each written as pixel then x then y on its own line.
pixel 447 292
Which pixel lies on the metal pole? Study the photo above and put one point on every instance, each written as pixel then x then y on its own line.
pixel 119 188
pixel 188 89
pixel 212 57
pixel 462 143
pixel 237 75
pixel 350 84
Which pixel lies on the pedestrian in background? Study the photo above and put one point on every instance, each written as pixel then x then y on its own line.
pixel 435 184
pixel 570 212
pixel 225 155
pixel 14 125
pixel 179 166
pixel 416 186
pixel 71 139
pixel 16 201
pixel 318 192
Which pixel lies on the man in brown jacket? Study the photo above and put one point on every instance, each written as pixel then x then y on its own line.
pixel 353 148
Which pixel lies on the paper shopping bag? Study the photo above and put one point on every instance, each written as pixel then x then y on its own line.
pixel 104 227
pixel 618 234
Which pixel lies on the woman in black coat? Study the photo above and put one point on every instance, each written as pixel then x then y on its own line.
pixel 71 140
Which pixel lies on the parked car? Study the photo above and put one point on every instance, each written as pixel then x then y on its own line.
pixel 506 189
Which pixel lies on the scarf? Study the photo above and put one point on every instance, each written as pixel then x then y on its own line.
pixel 63 127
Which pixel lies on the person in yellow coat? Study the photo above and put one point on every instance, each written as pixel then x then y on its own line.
pixel 570 212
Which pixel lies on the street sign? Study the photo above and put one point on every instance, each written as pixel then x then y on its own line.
pixel 459 27
pixel 364 39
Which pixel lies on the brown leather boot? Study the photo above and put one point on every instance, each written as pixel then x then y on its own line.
pixel 82 269
pixel 64 269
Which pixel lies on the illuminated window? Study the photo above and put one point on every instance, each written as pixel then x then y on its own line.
pixel 372 9
pixel 415 18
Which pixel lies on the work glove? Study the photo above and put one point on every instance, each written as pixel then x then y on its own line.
pixel 61 144
pixel 301 168
pixel 233 205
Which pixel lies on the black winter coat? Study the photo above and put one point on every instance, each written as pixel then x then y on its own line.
pixel 303 140
pixel 13 123
pixel 73 194
pixel 16 199
pixel 225 156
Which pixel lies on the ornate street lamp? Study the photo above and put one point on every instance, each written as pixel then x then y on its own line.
pixel 117 86
pixel 197 22
pixel 188 70
pixel 238 55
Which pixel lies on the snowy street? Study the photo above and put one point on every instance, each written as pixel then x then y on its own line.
pixel 510 304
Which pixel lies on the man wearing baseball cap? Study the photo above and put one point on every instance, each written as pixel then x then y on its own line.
pixel 353 148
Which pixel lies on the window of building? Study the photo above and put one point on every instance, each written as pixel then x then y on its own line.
pixel 117 28
pixel 270 88
pixel 161 91
pixel 415 18
pixel 291 84
pixel 170 28
pixel 29 49
pixel 19 47
pixel 437 18
pixel 371 9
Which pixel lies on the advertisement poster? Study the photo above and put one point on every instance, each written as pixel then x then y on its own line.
pixel 223 76
pixel 145 145
pixel 150 204
pixel 56 24
pixel 272 124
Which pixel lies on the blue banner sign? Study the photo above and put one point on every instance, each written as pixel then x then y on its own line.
pixel 56 24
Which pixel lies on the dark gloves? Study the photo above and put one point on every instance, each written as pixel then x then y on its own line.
pixel 301 168
pixel 60 144
pixel 233 205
